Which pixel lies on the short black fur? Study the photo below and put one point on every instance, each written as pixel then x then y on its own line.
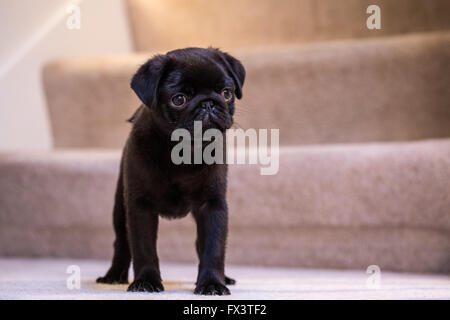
pixel 151 185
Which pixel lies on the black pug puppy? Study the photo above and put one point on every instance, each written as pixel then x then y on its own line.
pixel 176 89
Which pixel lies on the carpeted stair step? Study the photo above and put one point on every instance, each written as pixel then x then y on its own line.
pixel 389 89
pixel 330 206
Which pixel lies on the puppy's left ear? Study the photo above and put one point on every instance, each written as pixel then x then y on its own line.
pixel 236 69
pixel 145 82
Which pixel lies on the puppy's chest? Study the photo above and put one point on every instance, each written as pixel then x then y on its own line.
pixel 176 201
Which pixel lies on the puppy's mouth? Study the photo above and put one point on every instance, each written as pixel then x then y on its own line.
pixel 211 120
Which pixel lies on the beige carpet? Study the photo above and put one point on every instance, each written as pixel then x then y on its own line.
pixel 46 279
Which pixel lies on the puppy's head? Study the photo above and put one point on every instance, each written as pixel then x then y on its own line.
pixel 191 84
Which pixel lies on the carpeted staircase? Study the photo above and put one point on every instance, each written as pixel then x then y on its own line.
pixel 364 119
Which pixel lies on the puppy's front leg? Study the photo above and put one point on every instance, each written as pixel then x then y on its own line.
pixel 212 226
pixel 143 228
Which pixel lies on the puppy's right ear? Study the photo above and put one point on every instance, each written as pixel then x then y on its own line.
pixel 145 82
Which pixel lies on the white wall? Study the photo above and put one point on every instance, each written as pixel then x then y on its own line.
pixel 33 32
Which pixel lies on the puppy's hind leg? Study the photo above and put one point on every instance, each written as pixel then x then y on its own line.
pixel 118 272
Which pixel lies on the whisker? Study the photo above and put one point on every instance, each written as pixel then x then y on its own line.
pixel 237 125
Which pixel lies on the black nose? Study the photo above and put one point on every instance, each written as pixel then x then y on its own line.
pixel 208 104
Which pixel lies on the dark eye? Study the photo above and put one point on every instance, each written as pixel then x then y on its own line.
pixel 179 100
pixel 227 94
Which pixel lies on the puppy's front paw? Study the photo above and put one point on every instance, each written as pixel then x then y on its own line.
pixel 229 281
pixel 145 286
pixel 211 288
